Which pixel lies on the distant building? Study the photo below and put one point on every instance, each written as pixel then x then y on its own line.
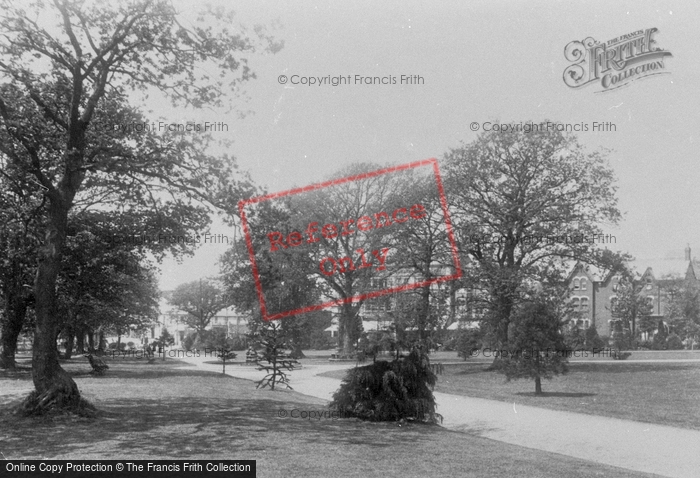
pixel 233 322
pixel 593 293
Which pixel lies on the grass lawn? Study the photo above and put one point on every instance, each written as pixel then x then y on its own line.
pixel 156 411
pixel 660 393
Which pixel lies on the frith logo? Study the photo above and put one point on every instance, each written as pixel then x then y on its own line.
pixel 614 63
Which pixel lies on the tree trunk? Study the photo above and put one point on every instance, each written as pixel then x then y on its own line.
pixel 15 312
pixel 423 313
pixel 91 341
pixel 80 341
pixel 347 328
pixel 538 386
pixel 70 340
pixel 54 388
pixel 102 343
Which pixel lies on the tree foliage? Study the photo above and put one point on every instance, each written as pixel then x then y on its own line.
pixel 525 204
pixel 201 300
pixel 536 348
pixel 66 69
pixel 389 391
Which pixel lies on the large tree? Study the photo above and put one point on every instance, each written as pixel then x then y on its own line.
pixel 526 203
pixel 631 309
pixel 341 202
pixel 426 255
pixel 65 69
pixel 682 313
pixel 104 284
pixel 20 216
pixel 287 281
pixel 201 300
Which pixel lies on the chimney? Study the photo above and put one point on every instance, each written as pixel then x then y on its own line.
pixel 687 253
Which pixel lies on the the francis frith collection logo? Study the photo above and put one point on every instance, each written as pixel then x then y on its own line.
pixel 615 63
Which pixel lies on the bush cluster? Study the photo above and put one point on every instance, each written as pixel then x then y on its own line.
pixel 390 391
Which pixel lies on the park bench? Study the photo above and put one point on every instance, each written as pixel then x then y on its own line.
pixel 98 365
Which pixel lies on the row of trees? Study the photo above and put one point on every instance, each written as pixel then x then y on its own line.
pixel 78 172
pixel 517 202
pixel 635 323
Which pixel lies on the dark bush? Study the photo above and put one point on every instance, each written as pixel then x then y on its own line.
pixel 674 342
pixel 322 342
pixel 389 391
pixel 239 343
pixel 659 340
pixel 574 338
pixel 645 344
pixel 593 340
pixel 468 341
pixel 189 340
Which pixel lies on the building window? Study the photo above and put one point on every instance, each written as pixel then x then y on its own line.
pixel 575 303
pixel 377 283
pixel 577 284
pixel 584 304
pixel 583 284
pixel 613 304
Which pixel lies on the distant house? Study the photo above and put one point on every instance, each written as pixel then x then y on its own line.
pixel 593 293
pixel 233 322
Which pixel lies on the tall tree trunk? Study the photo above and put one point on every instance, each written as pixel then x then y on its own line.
pixel 70 338
pixel 538 386
pixel 423 314
pixel 348 328
pixel 80 340
pixel 102 343
pixel 91 340
pixel 15 312
pixel 54 388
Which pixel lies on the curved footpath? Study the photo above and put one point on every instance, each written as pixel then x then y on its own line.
pixel 666 451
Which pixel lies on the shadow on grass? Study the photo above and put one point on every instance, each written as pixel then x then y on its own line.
pixel 556 394
pixel 474 369
pixel 191 426
pixel 157 410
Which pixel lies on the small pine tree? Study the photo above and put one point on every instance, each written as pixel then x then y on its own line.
pixel 165 340
pixel 273 341
pixel 468 341
pixel 536 350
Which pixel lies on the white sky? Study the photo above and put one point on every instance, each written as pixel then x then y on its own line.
pixel 481 61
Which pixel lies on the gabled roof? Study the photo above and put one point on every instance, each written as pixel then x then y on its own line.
pixel 693 270
pixel 663 268
pixel 593 273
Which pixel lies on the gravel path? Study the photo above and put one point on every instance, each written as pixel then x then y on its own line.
pixel 638 446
